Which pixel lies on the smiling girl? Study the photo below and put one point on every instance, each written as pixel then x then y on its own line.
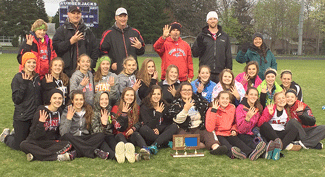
pixel 170 84
pixel 26 96
pixel 288 83
pixel 40 44
pixel 203 85
pixel 249 78
pixel 148 76
pixel 228 83
pixel 82 79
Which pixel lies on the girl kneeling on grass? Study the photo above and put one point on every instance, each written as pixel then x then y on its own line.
pixel 157 129
pixel 26 96
pixel 221 119
pixel 203 85
pixel 276 125
pixel 170 84
pixel 106 81
pixel 43 142
pixel 310 134
pixel 228 83
pixel 56 79
pixel 125 118
pixel 188 112
pixel 82 79
pixel 249 78
pixel 102 122
pixel 76 126
pixel 148 76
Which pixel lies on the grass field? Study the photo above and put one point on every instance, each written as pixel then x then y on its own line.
pixel 308 73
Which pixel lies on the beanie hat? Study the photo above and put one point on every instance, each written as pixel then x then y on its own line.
pixel 100 60
pixel 51 93
pixel 27 56
pixel 257 35
pixel 175 25
pixel 212 14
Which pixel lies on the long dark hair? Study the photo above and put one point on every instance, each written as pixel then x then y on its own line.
pixel 257 103
pixel 249 83
pixel 89 110
pixel 134 106
pixel 221 76
pixel 147 100
pixel 143 73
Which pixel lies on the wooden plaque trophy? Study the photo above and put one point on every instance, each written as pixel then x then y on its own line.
pixel 186 142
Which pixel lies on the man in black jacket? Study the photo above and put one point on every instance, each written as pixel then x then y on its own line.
pixel 121 41
pixel 73 39
pixel 212 46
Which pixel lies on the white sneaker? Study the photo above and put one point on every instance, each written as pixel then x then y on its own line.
pixel 30 157
pixel 64 157
pixel 129 152
pixel 120 152
pixel 4 133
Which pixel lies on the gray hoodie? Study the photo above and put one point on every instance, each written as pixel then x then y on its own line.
pixel 75 81
pixel 96 123
pixel 76 126
pixel 103 85
pixel 124 81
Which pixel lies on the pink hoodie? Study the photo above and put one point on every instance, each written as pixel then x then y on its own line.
pixel 240 78
pixel 243 126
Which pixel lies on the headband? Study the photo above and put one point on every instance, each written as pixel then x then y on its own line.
pixel 43 27
pixel 270 71
pixel 292 91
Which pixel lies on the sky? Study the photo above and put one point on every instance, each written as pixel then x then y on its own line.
pixel 51 6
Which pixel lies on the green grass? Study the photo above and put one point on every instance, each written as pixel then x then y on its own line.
pixel 309 74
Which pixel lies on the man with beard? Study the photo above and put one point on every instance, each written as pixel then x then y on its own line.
pixel 212 46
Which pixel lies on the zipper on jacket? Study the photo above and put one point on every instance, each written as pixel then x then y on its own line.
pixel 126 51
pixel 215 53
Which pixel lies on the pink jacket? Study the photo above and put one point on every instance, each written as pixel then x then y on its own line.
pixel 267 117
pixel 240 78
pixel 243 126
pixel 222 121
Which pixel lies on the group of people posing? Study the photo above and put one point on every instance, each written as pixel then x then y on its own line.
pixel 105 106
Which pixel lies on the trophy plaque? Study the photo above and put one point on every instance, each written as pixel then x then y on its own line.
pixel 184 142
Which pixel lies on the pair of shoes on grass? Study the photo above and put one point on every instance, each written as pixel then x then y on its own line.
pixel 126 150
pixel 258 151
pixel 153 149
pixel 273 149
pixel 67 156
pixel 237 153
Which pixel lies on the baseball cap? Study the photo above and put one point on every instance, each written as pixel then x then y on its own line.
pixel 74 8
pixel 120 11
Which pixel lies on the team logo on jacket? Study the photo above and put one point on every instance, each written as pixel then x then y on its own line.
pixel 177 52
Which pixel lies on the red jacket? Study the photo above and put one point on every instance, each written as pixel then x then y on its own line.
pixel 222 121
pixel 43 51
pixel 305 117
pixel 177 53
pixel 267 117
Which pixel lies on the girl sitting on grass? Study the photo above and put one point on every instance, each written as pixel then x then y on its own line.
pixel 125 118
pixel 170 84
pixel 249 78
pixel 221 119
pixel 203 85
pixel 157 129
pixel 82 79
pixel 43 142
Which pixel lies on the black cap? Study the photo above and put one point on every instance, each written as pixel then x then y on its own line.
pixel 175 25
pixel 50 93
pixel 74 8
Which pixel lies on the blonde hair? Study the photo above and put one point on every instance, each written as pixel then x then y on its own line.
pixel 143 73
pixel 129 58
pixel 79 59
pixel 38 23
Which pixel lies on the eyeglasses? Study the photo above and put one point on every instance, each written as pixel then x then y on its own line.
pixel 188 90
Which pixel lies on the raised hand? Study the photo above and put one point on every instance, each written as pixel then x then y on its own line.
pixel 49 78
pixel 300 107
pixel 166 30
pixel 160 107
pixel 42 115
pixel 270 108
pixel 251 112
pixel 137 85
pixel 71 112
pixel 25 76
pixel 111 81
pixel 155 75
pixel 264 89
pixel 104 117
pixel 84 81
pixel 188 104
pixel 29 39
pixel 172 90
pixel 76 37
pixel 125 107
pixel 200 88
pixel 234 91
pixel 215 104
pixel 136 43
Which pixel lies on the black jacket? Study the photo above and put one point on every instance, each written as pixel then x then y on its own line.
pixel 26 95
pixel 166 94
pixel 58 84
pixel 144 89
pixel 297 88
pixel 48 130
pixel 152 118
pixel 214 53
pixel 68 52
pixel 116 43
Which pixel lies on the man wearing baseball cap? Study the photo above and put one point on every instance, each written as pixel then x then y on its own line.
pixel 212 46
pixel 74 38
pixel 121 41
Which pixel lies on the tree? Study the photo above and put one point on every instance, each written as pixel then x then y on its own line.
pixel 41 12
pixel 243 13
pixel 56 20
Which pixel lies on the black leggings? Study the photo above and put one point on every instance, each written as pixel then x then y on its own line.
pixel 287 136
pixel 166 133
pixel 135 139
pixel 85 145
pixel 230 141
pixel 43 150
pixel 21 133
pixel 109 145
